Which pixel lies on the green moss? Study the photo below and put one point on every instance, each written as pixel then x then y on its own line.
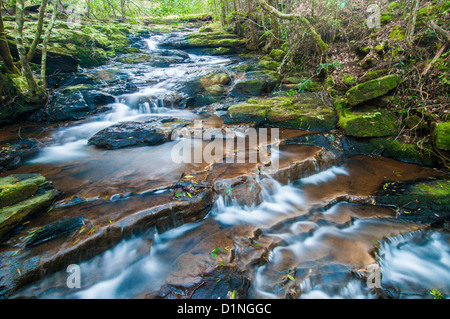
pixel 397 33
pixel 268 65
pixel 408 152
pixel 348 79
pixel 441 135
pixel 386 17
pixel 20 197
pixel 214 39
pixel 372 89
pixel 214 79
pixel 374 123
pixel 393 6
pixel 371 75
pixel 277 54
pixel 302 112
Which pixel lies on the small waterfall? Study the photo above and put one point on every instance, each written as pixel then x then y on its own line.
pixel 416 261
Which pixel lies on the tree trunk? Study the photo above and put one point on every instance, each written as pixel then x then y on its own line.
pixel 122 9
pixel 5 54
pixel 412 22
pixel 38 33
pixel 321 46
pixel 18 34
pixel 45 40
pixel 254 42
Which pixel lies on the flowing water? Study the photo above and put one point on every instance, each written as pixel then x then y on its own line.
pixel 291 239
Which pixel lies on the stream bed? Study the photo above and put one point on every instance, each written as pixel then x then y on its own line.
pixel 158 228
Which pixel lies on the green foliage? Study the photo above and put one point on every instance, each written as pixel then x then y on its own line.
pixel 436 294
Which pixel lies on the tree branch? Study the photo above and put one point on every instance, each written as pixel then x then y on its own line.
pixel 322 46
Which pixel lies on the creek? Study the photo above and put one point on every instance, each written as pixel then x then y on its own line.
pixel 309 230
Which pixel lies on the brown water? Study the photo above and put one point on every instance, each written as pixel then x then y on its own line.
pixel 309 229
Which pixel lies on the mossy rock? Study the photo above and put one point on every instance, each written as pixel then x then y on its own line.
pixel 215 78
pixel 426 201
pixel 372 75
pixel 372 89
pixel 214 39
pixel 302 112
pixel 268 65
pixel 256 83
pixel 409 153
pixel 441 135
pixel 368 123
pixel 22 196
pixel 277 54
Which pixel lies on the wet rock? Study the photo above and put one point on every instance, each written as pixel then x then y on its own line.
pixel 205 40
pixel 66 106
pixel 150 132
pixel 12 155
pixel 221 282
pixel 22 196
pixel 204 90
pixel 96 98
pixel 390 147
pixel 59 228
pixel 304 112
pixel 256 83
pixel 425 201
pixel 155 60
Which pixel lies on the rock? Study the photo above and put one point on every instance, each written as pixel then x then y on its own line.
pixel 204 90
pixel 256 83
pixel 441 135
pixel 158 59
pixel 66 106
pixel 277 54
pixel 426 201
pixel 96 98
pixel 205 40
pixel 268 65
pixel 302 112
pixel 150 132
pixel 217 283
pixel 12 155
pixel 215 78
pixel 372 89
pixel 368 123
pixel 22 196
pixel 59 228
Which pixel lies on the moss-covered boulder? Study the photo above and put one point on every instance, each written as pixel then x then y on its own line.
pixel 372 89
pixel 256 83
pixel 366 122
pixel 22 196
pixel 441 135
pixel 302 112
pixel 215 78
pixel 277 54
pixel 214 40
